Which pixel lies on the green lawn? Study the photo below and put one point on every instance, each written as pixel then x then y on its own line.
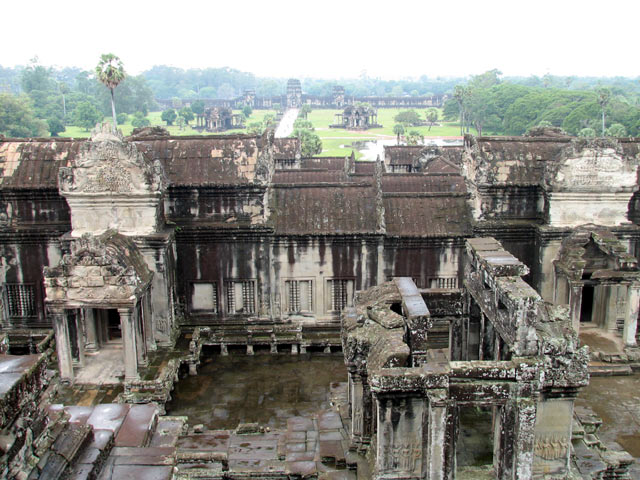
pixel 334 138
pixel 335 141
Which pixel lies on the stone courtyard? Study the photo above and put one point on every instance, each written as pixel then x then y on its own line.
pixel 220 307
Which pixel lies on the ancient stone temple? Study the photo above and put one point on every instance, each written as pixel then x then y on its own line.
pixel 357 117
pixel 219 119
pixel 460 283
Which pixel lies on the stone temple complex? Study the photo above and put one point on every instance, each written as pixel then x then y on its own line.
pixel 460 284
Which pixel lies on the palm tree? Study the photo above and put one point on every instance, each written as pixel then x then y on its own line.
pixel 604 96
pixel 398 129
pixel 110 72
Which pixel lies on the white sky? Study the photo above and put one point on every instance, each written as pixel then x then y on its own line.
pixel 331 38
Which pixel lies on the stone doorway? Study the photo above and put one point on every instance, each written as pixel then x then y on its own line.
pixel 586 309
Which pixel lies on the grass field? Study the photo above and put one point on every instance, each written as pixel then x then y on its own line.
pixel 335 141
pixel 155 119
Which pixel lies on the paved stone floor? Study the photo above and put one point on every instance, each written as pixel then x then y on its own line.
pixel 617 401
pixel 102 368
pixel 267 389
pixel 599 339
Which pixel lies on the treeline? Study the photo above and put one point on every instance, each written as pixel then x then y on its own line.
pixel 37 100
pixel 491 105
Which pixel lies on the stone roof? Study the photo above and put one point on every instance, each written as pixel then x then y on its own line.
pixel 427 216
pixel 286 148
pixel 297 176
pixel 28 164
pixel 330 209
pixel 188 160
pixel 420 183
pixel 329 163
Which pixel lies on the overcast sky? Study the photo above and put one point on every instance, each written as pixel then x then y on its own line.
pixel 331 38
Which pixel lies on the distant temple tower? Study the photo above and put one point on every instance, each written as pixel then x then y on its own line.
pixel 294 93
pixel 337 95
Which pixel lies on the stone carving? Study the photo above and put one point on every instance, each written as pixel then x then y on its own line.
pixel 592 164
pixel 358 420
pixel 108 164
pixel 551 447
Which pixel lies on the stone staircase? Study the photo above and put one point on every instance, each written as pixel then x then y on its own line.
pixel 106 442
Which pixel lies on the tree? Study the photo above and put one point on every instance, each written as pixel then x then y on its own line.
pixel 56 126
pixel 460 94
pixel 587 133
pixel 122 118
pixel 187 114
pixel 432 117
pixel 197 107
pixel 305 110
pixel 17 118
pixel 408 117
pixel 303 124
pixel 310 143
pixel 398 129
pixel 255 128
pixel 247 111
pixel 604 96
pixel 110 72
pixel 269 120
pixel 140 120
pixel 414 137
pixel 87 115
pixel 36 77
pixel 616 130
pixel 169 116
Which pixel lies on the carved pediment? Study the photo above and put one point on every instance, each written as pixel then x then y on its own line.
pixel 98 269
pixel 108 165
pixel 593 165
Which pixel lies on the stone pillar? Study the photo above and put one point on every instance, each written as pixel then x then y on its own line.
pixel 140 335
pixel 549 249
pixel 75 317
pixel 436 452
pixel 63 344
pixel 631 316
pixel 514 439
pixel 400 437
pixel 92 344
pixel 129 341
pixel 575 304
pixel 552 441
pixel 612 307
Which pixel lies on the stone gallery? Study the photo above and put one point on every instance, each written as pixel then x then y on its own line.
pixel 458 282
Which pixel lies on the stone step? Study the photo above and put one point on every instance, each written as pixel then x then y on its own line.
pixel 137 426
pixel 610 370
pixel 167 431
pixel 64 452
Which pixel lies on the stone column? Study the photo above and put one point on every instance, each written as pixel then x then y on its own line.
pixel 575 304
pixel 514 439
pixel 129 343
pixel 436 451
pixel 90 320
pixel 631 317
pixel 612 307
pixel 63 344
pixel 140 334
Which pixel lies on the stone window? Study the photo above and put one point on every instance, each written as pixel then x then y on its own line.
pixel 339 294
pixel 443 282
pixel 241 296
pixel 20 300
pixel 298 296
pixel 204 297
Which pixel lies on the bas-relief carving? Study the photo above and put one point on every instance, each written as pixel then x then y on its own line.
pixel 551 447
pixel 108 164
pixel 599 168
